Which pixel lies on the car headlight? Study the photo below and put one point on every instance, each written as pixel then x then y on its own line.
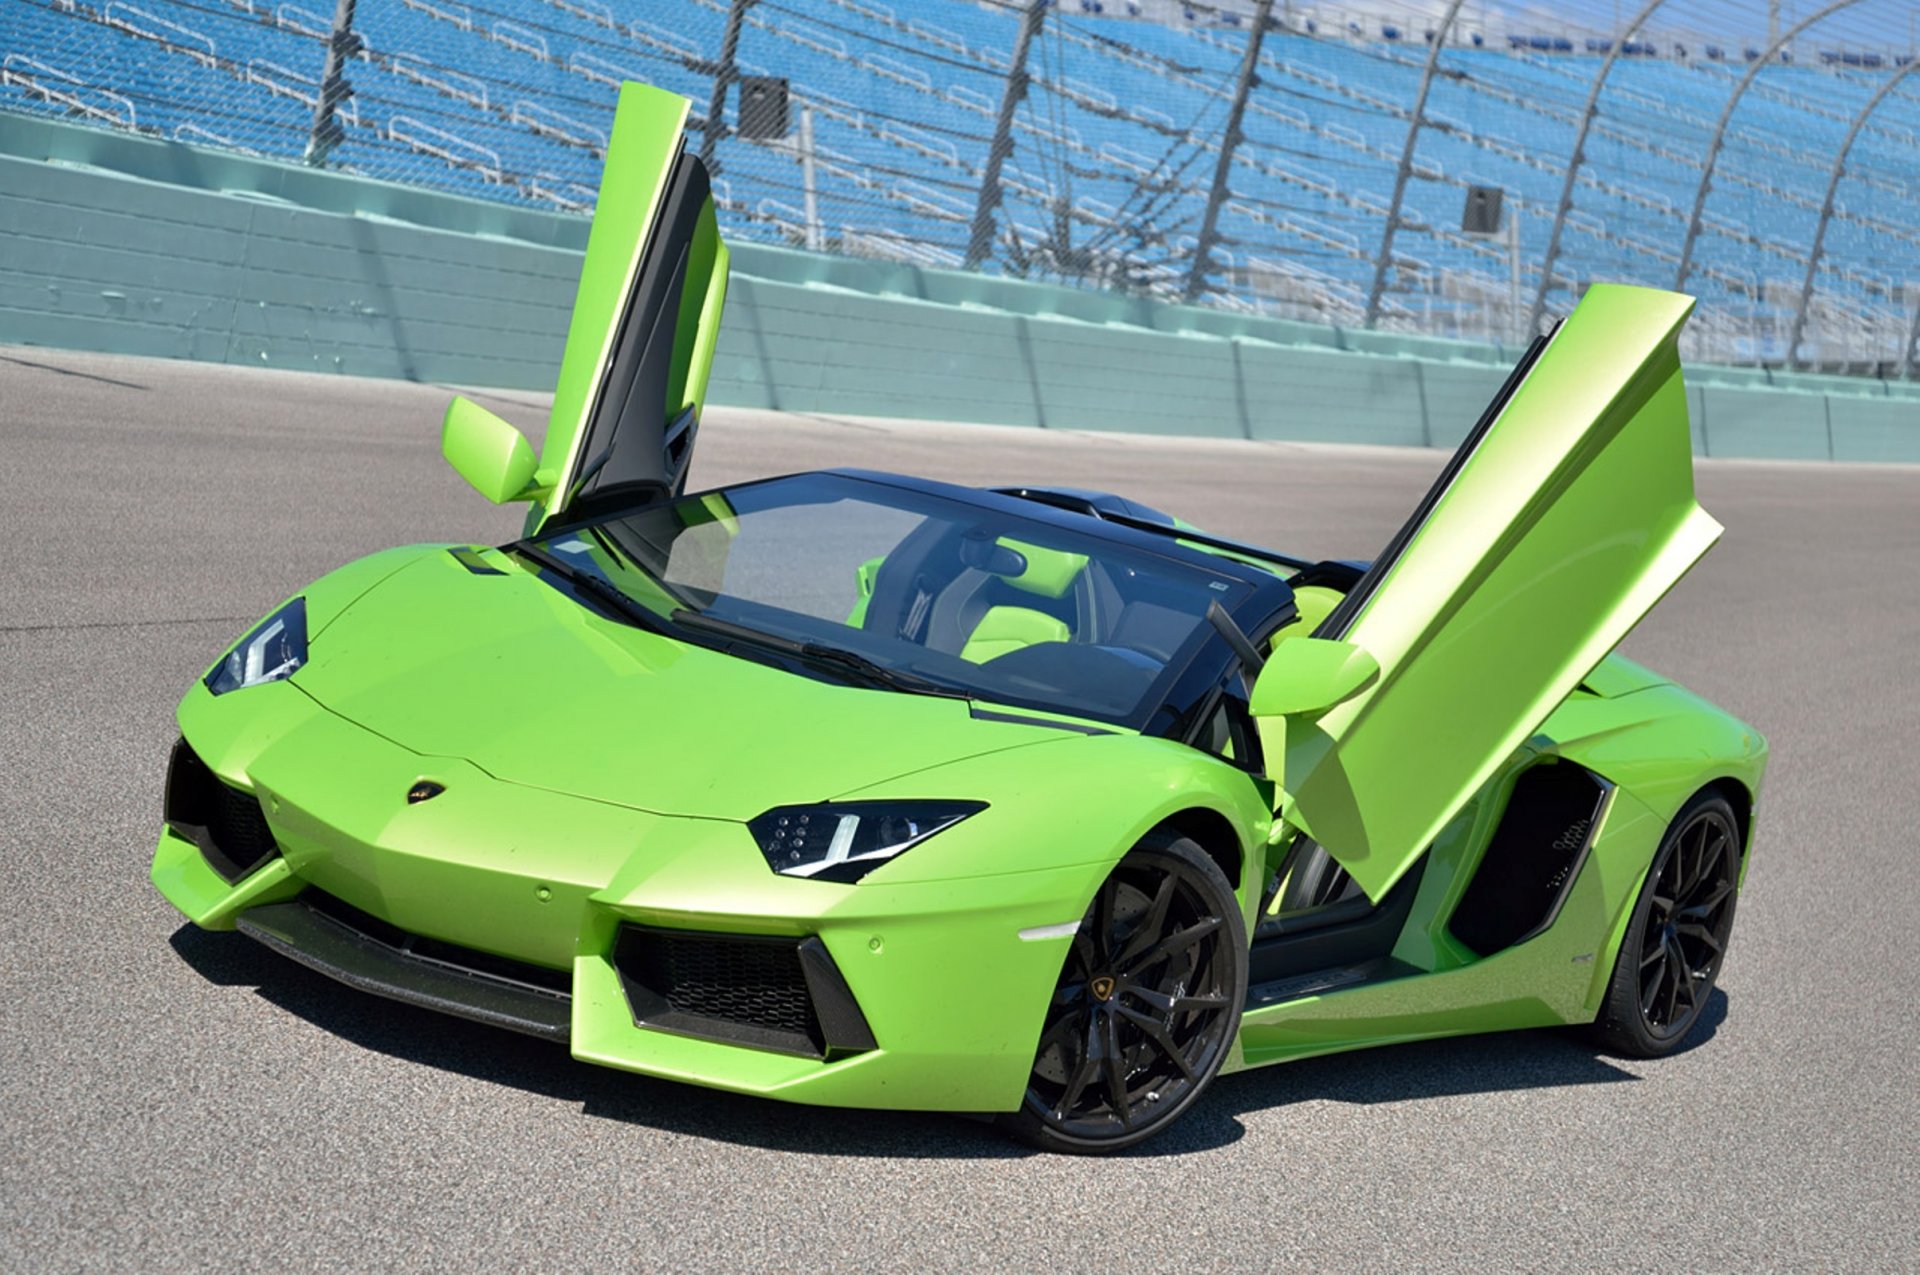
pixel 845 840
pixel 272 651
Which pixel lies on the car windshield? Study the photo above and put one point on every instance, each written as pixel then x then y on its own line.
pixel 905 588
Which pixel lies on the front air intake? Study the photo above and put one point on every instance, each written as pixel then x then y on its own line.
pixel 781 994
pixel 225 822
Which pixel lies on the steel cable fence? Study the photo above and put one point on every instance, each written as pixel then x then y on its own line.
pixel 1079 142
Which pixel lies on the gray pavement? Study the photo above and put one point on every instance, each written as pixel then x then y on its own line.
pixel 173 1099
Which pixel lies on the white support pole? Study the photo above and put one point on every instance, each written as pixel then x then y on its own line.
pixel 809 182
pixel 1910 357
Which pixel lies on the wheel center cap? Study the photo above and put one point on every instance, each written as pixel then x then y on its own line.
pixel 1102 988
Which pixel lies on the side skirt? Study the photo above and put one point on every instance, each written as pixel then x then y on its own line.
pixel 1320 982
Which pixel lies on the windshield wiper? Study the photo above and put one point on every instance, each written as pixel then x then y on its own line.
pixel 593 586
pixel 872 672
pixel 876 673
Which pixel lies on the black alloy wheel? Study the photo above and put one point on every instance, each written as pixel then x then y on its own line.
pixel 1678 937
pixel 1147 1004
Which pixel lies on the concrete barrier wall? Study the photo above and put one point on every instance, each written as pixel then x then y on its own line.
pixel 125 244
pixel 96 260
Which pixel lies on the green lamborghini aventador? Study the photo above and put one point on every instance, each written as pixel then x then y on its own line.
pixel 862 790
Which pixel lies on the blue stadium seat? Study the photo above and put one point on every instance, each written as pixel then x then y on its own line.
pixel 1113 148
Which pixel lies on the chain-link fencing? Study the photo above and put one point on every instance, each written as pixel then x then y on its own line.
pixel 1248 154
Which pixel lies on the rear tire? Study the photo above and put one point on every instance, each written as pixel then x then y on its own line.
pixel 1677 940
pixel 1146 1007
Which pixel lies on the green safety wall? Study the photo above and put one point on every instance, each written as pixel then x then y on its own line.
pixel 132 245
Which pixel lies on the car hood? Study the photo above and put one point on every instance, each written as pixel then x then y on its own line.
pixel 509 673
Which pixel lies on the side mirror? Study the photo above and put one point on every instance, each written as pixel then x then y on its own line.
pixel 1304 677
pixel 488 452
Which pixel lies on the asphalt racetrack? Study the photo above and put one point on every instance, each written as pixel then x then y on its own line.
pixel 170 1098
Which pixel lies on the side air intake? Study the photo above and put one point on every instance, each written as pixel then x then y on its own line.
pixel 1534 857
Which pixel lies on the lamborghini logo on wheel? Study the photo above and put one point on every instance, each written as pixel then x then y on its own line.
pixel 1102 988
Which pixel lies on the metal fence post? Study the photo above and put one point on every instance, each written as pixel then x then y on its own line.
pixel 1574 159
pixel 1384 261
pixel 342 43
pixel 725 72
pixel 980 237
pixel 1826 208
pixel 1910 356
pixel 1515 280
pixel 1720 134
pixel 1229 142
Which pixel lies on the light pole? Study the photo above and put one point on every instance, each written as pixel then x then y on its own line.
pixel 980 238
pixel 1826 208
pixel 1229 142
pixel 1720 134
pixel 342 43
pixel 725 72
pixel 1574 158
pixel 1384 261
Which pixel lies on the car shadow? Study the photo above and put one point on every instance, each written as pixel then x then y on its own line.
pixel 548 1070
pixel 1399 1073
pixel 1545 1058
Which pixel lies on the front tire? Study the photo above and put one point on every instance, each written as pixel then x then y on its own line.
pixel 1674 946
pixel 1146 1008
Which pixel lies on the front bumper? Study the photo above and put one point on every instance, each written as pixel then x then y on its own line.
pixel 950 995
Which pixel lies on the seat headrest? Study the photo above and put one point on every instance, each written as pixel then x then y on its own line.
pixel 1050 572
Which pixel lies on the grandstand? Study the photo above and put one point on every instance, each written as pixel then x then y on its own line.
pixel 1113 147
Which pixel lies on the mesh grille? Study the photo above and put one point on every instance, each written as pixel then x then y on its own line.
pixel 757 983
pixel 743 988
pixel 226 823
pixel 238 827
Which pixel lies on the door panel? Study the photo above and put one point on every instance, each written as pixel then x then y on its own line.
pixel 646 318
pixel 1564 518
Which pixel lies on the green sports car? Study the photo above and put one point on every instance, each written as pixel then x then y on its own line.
pixel 862 790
